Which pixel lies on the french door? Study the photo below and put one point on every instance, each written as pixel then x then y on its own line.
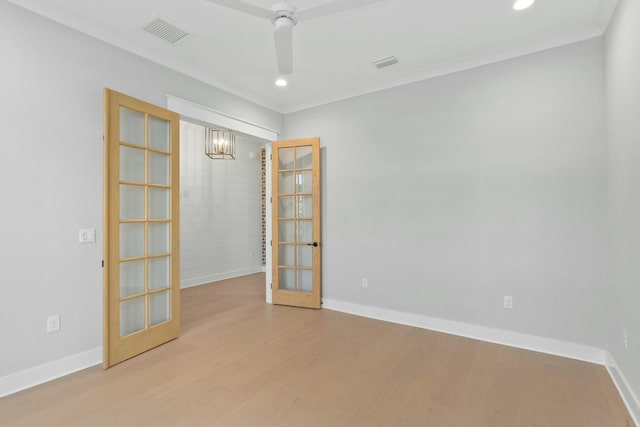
pixel 141 275
pixel 296 223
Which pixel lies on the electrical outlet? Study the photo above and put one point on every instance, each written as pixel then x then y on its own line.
pixel 625 338
pixel 365 283
pixel 53 323
pixel 508 302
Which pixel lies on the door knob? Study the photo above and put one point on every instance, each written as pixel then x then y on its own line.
pixel 314 244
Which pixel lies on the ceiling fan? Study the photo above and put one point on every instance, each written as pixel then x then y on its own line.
pixel 285 16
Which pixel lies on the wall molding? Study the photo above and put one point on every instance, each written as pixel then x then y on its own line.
pixel 207 116
pixel 498 336
pixel 203 280
pixel 40 374
pixel 626 392
pixel 46 372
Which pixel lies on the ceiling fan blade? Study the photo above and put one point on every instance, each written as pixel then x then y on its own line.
pixel 284 49
pixel 333 8
pixel 245 7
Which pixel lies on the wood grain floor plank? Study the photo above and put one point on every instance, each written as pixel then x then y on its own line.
pixel 241 362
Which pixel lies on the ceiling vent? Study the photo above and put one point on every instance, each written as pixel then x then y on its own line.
pixel 385 62
pixel 165 30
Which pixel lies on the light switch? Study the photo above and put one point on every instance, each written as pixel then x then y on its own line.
pixel 88 235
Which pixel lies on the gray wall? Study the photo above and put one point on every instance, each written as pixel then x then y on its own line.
pixel 51 81
pixel 449 193
pixel 623 124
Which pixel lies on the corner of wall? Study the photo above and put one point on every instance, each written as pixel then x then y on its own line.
pixel 626 392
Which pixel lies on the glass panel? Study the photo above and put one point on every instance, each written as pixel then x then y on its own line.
pixel 286 232
pixel 131 164
pixel 303 182
pixel 131 202
pixel 159 308
pixel 286 279
pixel 305 256
pixel 304 206
pixel 158 168
pixel 305 281
pixel 131 240
pixel 285 158
pixel 303 157
pixel 131 278
pixel 286 256
pixel 158 238
pixel 131 316
pixel 158 203
pixel 285 183
pixel 158 273
pixel 305 231
pixel 131 126
pixel 285 206
pixel 158 133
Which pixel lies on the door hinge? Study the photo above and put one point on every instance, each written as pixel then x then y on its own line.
pixel 270 156
pixel 270 285
pixel 271 242
pixel 103 263
pixel 270 199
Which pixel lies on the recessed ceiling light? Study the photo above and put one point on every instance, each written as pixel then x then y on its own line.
pixel 281 82
pixel 522 4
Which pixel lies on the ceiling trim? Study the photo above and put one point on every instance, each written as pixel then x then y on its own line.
pixel 49 10
pixel 472 61
pixel 515 49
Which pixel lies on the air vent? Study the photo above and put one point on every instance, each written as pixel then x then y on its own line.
pixel 385 62
pixel 165 30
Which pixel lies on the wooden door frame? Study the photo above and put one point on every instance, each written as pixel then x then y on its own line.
pixel 115 349
pixel 296 298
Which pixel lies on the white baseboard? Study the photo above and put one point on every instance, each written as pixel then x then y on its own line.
pixel 18 381
pixel 498 336
pixel 203 280
pixel 626 392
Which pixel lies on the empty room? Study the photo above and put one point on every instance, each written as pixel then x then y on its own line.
pixel 320 212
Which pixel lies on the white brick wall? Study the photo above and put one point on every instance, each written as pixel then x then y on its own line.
pixel 219 210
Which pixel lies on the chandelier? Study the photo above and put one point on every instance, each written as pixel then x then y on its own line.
pixel 219 144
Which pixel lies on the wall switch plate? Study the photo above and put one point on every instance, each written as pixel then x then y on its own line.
pixel 508 302
pixel 625 338
pixel 365 283
pixel 87 235
pixel 53 323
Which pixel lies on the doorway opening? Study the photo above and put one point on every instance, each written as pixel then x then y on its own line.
pixel 261 137
pixel 222 209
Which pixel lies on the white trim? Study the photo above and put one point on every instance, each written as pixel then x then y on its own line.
pixel 21 380
pixel 498 336
pixel 203 280
pixel 269 233
pixel 626 392
pixel 202 114
pixel 474 60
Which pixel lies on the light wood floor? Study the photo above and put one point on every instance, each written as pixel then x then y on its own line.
pixel 241 362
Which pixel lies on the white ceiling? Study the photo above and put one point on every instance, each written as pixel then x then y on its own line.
pixel 333 55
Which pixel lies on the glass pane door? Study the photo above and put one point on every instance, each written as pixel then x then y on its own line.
pixel 296 209
pixel 142 222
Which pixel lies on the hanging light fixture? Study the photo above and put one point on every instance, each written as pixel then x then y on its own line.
pixel 219 144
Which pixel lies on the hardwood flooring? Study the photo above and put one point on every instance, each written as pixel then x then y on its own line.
pixel 241 362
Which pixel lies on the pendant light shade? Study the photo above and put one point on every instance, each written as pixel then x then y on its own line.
pixel 219 144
